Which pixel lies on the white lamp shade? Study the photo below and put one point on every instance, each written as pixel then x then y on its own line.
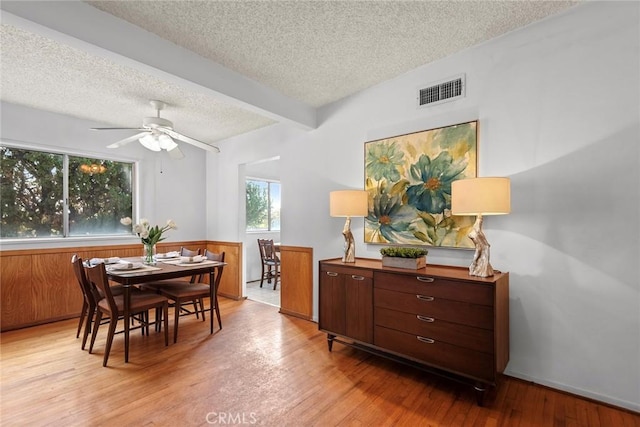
pixel 347 203
pixel 486 196
pixel 166 142
pixel 150 142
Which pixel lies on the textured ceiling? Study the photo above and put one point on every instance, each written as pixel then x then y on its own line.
pixel 312 52
pixel 41 73
pixel 321 51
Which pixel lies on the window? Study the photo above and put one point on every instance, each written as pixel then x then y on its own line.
pixel 58 195
pixel 263 205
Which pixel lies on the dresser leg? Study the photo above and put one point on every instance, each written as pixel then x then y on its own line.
pixel 480 391
pixel 330 341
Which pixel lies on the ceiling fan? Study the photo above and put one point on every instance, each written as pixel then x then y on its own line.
pixel 158 134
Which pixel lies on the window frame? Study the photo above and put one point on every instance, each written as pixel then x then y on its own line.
pixel 269 182
pixel 66 152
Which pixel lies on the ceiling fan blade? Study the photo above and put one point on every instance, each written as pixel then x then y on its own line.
pixel 117 129
pixel 127 140
pixel 176 154
pixel 175 135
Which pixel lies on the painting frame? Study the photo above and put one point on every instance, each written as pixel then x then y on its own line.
pixel 408 180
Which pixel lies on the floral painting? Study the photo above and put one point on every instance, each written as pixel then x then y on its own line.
pixel 409 178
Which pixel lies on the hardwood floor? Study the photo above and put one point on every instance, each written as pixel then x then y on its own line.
pixel 262 368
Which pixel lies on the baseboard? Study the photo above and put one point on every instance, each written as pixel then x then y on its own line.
pixel 229 296
pixel 294 314
pixel 612 401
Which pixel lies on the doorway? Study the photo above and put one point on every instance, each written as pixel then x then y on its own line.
pixel 264 294
pixel 267 171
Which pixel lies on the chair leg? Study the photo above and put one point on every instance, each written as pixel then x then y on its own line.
pixel 166 323
pixel 91 312
pixel 217 308
pixel 275 279
pixel 112 331
pixel 176 317
pixel 158 323
pixel 195 308
pixel 94 333
pixel 262 276
pixel 83 314
pixel 146 321
pixel 201 302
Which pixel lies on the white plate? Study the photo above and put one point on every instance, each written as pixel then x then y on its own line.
pixel 105 261
pixel 126 267
pixel 191 262
pixel 164 256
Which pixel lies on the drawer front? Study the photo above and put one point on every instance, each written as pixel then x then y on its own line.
pixel 350 271
pixel 475 293
pixel 437 353
pixel 461 335
pixel 479 316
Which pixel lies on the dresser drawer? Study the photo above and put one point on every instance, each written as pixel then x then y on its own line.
pixel 453 333
pixel 437 353
pixel 476 293
pixel 350 271
pixel 426 304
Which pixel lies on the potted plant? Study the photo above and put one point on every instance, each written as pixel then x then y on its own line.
pixel 404 257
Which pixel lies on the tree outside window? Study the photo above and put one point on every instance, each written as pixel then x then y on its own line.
pixel 33 187
pixel 262 205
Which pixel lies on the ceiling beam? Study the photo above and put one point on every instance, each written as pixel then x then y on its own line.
pixel 82 26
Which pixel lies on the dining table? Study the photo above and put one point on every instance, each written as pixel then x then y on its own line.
pixel 161 270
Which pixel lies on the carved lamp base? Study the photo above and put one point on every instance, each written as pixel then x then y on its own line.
pixel 480 266
pixel 349 244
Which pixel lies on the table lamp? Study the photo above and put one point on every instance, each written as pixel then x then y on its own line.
pixel 348 203
pixel 480 196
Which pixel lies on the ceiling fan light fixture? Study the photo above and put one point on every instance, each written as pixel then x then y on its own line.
pixel 150 142
pixel 166 142
pixel 157 134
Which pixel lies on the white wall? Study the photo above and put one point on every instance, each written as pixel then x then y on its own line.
pixel 169 189
pixel 558 105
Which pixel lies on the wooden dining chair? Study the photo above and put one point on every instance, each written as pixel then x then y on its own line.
pixel 183 252
pixel 113 307
pixel 90 295
pixel 156 286
pixel 194 292
pixel 88 300
pixel 270 262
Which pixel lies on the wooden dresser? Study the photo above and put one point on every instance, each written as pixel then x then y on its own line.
pixel 437 318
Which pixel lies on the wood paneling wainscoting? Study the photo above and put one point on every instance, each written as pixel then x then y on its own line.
pixel 296 281
pixel 38 286
pixel 231 283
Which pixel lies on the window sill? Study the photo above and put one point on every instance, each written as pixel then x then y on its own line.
pixel 61 242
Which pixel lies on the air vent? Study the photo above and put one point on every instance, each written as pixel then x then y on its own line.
pixel 442 91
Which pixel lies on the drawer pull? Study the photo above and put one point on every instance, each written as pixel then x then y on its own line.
pixel 426 279
pixel 425 340
pixel 331 273
pixel 425 318
pixel 424 298
pixel 354 277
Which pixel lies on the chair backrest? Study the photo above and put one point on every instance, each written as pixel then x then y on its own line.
pixel 267 250
pixel 212 256
pixel 84 284
pixel 187 252
pixel 97 277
